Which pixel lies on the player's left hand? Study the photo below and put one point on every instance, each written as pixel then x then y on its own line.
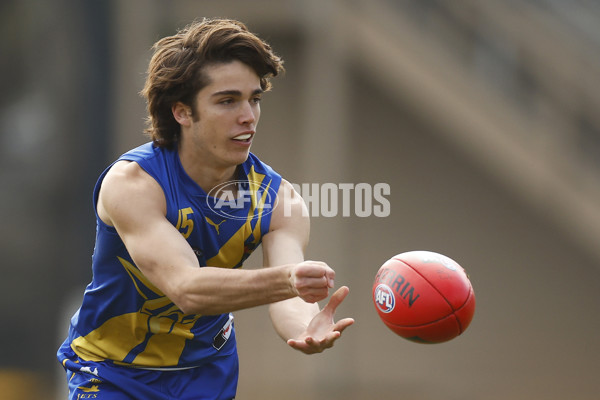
pixel 322 331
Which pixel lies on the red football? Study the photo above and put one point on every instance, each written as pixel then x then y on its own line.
pixel 424 296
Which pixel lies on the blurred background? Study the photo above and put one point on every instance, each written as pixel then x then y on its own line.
pixel 481 116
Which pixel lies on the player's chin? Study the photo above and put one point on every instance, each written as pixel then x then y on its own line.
pixel 239 153
pixel 238 159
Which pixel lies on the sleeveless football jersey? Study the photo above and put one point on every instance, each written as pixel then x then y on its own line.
pixel 124 318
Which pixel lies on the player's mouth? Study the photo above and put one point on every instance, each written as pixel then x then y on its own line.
pixel 245 137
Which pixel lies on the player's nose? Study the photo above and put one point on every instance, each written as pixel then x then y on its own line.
pixel 248 114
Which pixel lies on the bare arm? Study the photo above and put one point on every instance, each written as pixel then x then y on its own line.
pixel 302 325
pixel 286 243
pixel 133 202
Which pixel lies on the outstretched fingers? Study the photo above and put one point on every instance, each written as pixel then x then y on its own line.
pixel 322 331
pixel 310 345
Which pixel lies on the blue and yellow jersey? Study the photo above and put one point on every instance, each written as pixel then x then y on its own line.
pixel 124 318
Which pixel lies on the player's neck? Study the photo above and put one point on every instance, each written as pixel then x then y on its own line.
pixel 205 173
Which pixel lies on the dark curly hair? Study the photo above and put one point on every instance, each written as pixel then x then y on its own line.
pixel 176 70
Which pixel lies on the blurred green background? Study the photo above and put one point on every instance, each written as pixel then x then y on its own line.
pixel 481 116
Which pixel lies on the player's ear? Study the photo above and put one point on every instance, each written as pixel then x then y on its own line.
pixel 182 113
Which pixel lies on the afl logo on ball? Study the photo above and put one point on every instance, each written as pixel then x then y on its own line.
pixel 384 298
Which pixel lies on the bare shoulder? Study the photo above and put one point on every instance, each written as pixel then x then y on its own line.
pixel 127 188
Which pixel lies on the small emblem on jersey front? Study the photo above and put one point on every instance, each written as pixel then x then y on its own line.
pixel 223 336
pixel 94 388
pixel 215 225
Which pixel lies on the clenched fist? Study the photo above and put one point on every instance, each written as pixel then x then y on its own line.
pixel 311 280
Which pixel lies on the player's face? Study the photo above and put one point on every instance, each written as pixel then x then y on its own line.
pixel 226 114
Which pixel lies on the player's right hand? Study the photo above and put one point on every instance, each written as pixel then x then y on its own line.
pixel 311 280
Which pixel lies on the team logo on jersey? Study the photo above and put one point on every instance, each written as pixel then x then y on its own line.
pixel 229 198
pixel 94 388
pixel 89 392
pixel 384 298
